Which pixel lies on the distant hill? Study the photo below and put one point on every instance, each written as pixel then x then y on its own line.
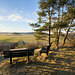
pixel 23 33
pixel 29 33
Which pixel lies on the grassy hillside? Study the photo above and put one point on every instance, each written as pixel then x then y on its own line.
pixel 58 62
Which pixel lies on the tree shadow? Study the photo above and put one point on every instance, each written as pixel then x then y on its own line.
pixel 60 66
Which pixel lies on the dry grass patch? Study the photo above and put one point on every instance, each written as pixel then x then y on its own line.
pixel 59 62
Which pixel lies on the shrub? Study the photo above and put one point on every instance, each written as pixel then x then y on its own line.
pixel 20 44
pixel 4 47
pixel 1 47
pixel 30 45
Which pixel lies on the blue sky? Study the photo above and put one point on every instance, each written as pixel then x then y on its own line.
pixel 15 15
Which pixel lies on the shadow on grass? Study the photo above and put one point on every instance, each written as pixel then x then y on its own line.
pixel 59 66
pixel 44 67
pixel 71 48
pixel 53 69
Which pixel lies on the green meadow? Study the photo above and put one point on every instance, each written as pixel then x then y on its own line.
pixel 15 38
pixel 9 38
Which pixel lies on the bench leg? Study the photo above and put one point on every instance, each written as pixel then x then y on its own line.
pixel 47 53
pixel 28 56
pixel 10 60
pixel 40 53
pixel 10 57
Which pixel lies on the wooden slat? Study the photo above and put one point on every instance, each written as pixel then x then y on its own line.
pixel 19 53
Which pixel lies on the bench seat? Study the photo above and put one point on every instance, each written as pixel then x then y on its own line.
pixel 18 53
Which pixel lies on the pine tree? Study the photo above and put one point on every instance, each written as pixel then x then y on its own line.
pixel 45 19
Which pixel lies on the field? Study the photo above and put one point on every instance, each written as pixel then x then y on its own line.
pixel 16 38
pixel 10 38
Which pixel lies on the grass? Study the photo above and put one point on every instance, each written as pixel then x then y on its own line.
pixel 15 38
pixel 58 62
pixel 9 38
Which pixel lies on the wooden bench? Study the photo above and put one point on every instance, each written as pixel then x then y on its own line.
pixel 18 53
pixel 45 50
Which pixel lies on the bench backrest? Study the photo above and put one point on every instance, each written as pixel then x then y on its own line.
pixel 19 53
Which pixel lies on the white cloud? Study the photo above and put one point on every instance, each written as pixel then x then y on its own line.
pixel 31 18
pixel 1 18
pixel 15 17
pixel 18 17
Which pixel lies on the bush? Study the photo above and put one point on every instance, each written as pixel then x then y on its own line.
pixel 20 44
pixel 1 47
pixel 30 45
pixel 4 47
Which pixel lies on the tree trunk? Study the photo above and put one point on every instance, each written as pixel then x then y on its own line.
pixel 49 35
pixel 67 33
pixel 49 25
pixel 59 35
pixel 61 24
pixel 58 28
pixel 57 39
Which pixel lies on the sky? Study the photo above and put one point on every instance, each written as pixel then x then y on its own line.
pixel 15 15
